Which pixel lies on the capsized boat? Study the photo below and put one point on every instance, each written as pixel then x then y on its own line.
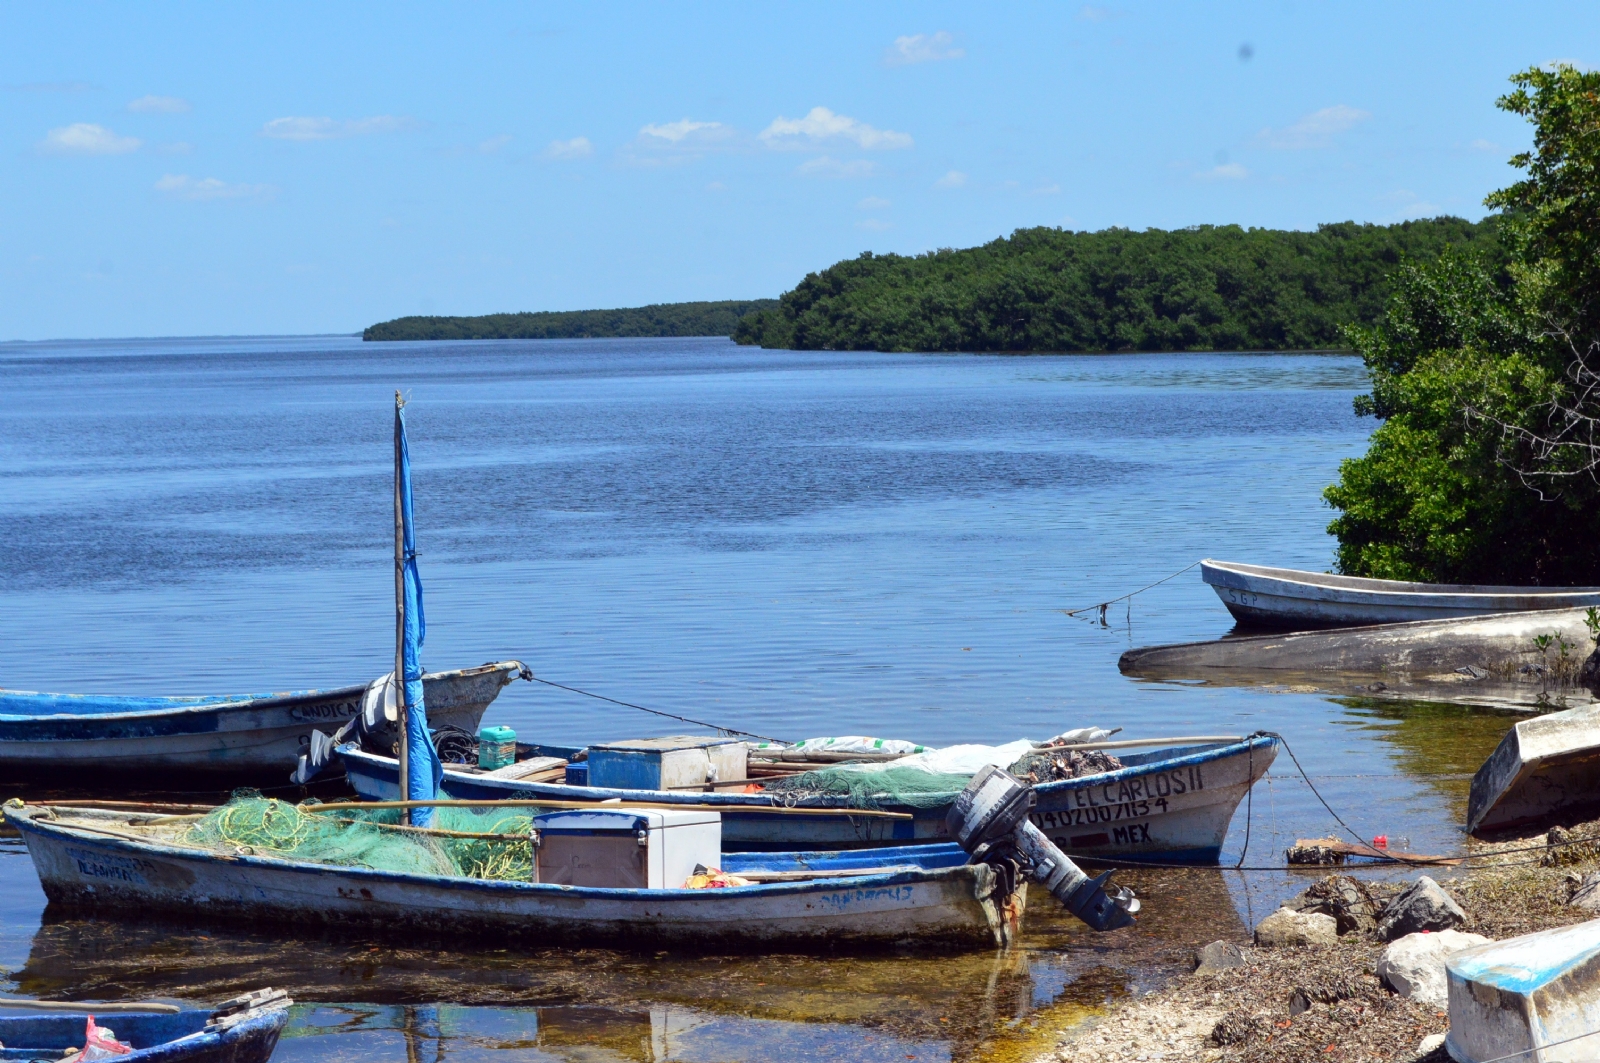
pixel 126 864
pixel 246 737
pixel 242 1030
pixel 1165 805
pixel 1292 599
pixel 1542 768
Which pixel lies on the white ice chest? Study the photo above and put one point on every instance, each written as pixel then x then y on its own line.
pixel 1534 998
pixel 635 848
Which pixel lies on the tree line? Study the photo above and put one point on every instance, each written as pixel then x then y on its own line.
pixel 1209 287
pixel 658 319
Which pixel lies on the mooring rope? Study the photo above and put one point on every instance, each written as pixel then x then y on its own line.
pixel 728 731
pixel 1101 606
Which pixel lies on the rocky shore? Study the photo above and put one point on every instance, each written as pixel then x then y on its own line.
pixel 1348 970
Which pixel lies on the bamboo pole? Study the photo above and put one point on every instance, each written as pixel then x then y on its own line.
pixel 108 1008
pixel 344 806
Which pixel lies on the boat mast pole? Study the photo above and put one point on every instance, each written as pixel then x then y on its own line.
pixel 400 616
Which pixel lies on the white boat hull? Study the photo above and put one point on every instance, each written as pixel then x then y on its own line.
pixel 1259 596
pixel 1542 767
pixel 79 869
pixel 257 738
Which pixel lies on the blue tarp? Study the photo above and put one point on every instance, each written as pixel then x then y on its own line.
pixel 423 770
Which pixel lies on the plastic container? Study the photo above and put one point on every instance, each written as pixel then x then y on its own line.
pixel 497 747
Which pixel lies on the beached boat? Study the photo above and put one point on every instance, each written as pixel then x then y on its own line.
pixel 121 864
pixel 1165 805
pixel 1292 599
pixel 1543 767
pixel 82 738
pixel 243 1030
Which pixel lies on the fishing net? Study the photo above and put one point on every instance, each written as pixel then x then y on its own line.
pixel 372 838
pixel 872 786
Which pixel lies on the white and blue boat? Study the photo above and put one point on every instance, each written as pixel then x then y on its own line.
pixel 252 737
pixel 243 1030
pixel 120 864
pixel 1165 805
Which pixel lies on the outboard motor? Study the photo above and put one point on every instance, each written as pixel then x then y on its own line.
pixel 990 820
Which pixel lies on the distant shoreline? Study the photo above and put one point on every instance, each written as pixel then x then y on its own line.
pixel 656 320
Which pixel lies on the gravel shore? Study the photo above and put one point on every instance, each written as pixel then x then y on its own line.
pixel 1511 886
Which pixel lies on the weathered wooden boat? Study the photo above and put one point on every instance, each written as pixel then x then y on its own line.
pixel 248 737
pixel 1164 806
pixel 99 860
pixel 243 1030
pixel 1543 767
pixel 1292 599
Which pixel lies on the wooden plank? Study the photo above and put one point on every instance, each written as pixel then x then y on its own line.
pixel 1341 849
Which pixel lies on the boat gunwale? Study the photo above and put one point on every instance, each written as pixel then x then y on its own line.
pixel 1364 591
pixel 24 820
pixel 201 707
pixel 1203 753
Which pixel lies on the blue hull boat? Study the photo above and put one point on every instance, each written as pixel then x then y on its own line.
pixel 242 1031
pixel 255 737
pixel 1165 806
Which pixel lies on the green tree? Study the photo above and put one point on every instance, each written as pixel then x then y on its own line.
pixel 1483 469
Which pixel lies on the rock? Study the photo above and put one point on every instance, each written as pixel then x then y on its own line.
pixel 1413 966
pixel 1289 927
pixel 1586 893
pixel 1218 956
pixel 1590 676
pixel 1429 1045
pixel 1342 897
pixel 1558 836
pixel 1423 905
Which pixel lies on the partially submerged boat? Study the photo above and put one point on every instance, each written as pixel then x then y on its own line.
pixel 1292 599
pixel 242 1030
pixel 1542 768
pixel 124 863
pixel 245 737
pixel 1164 805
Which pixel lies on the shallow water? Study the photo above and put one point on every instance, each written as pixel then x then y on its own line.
pixel 794 544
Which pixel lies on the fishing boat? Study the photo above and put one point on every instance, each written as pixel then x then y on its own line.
pixel 1292 599
pixel 246 737
pixel 125 864
pixel 1165 805
pixel 1543 767
pixel 243 1030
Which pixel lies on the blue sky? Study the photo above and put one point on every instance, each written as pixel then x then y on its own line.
pixel 182 169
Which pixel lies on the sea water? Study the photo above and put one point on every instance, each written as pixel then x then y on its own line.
pixel 792 544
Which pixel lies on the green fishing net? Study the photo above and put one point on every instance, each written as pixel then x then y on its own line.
pixel 371 838
pixel 871 786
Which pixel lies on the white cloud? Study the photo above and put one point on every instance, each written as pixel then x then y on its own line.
pixel 177 147
pixel 1576 64
pixel 683 129
pixel 827 166
pixel 328 129
pixel 922 48
pixel 1090 13
pixel 873 203
pixel 1485 145
pixel 1315 130
pixel 494 144
pixel 1046 190
pixel 182 186
pixel 953 179
pixel 576 148
pixel 822 124
pixel 86 138
pixel 876 225
pixel 716 186
pixel 1228 171
pixel 159 105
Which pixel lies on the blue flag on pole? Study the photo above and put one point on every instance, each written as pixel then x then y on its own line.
pixel 423 770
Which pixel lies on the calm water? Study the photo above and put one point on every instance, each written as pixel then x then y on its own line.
pixel 794 544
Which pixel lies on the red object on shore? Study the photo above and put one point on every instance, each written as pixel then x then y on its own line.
pixel 1381 842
